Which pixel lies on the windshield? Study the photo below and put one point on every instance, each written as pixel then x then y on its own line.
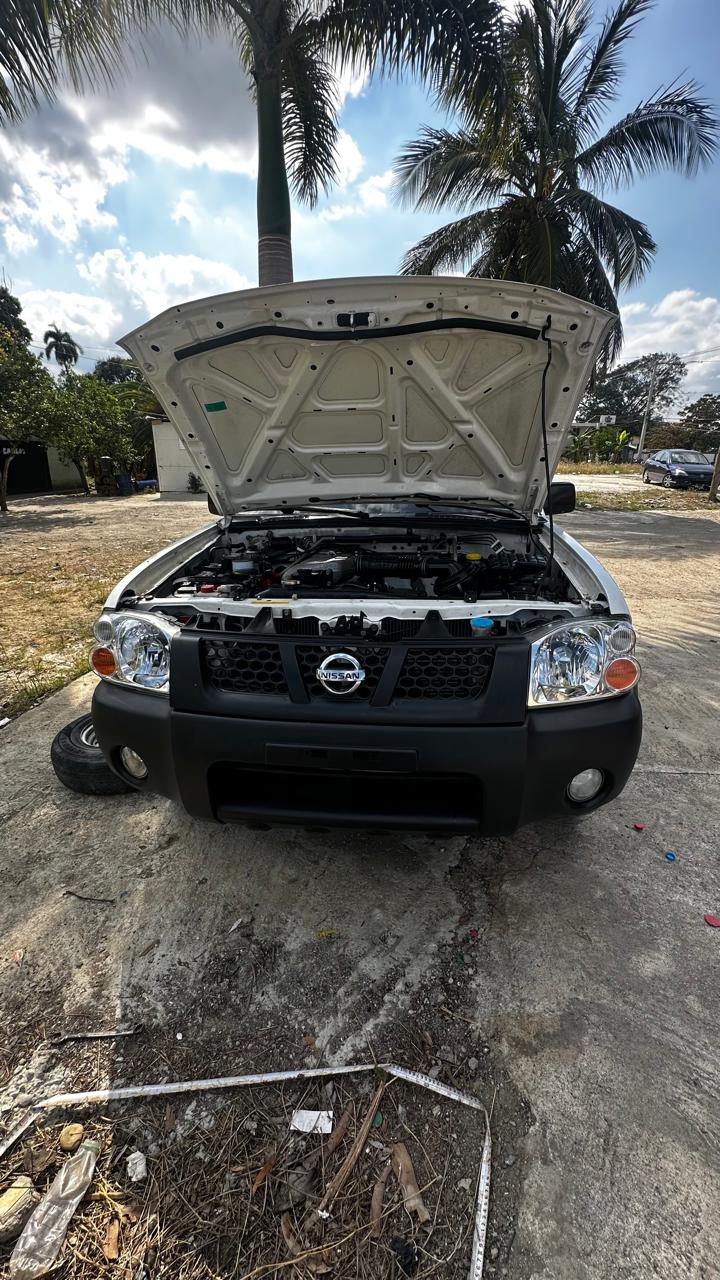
pixel 688 455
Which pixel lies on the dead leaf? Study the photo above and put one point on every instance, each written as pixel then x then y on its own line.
pixel 111 1243
pixel 18 956
pixel 325 934
pixel 292 1244
pixel 169 1119
pixel 376 1203
pixel 36 1161
pixel 348 1164
pixel 314 1264
pixel 340 1129
pixel 262 1173
pixel 405 1174
pixel 310 1041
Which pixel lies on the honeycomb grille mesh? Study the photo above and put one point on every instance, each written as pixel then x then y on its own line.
pixel 451 672
pixel 438 672
pixel 239 667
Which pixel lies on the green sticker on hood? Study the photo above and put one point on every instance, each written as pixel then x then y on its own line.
pixel 216 406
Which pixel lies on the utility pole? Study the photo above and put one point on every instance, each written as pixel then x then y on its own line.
pixel 648 412
pixel 715 482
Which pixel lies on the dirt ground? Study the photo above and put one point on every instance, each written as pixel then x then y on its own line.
pixel 565 976
pixel 60 557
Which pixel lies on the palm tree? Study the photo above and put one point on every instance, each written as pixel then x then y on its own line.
pixel 531 180
pixel 291 49
pixel 39 38
pixel 60 344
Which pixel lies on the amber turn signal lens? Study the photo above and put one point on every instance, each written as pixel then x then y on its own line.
pixel 622 673
pixel 102 661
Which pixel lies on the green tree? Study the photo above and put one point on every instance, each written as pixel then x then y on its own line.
pixel 531 181
pixel 11 321
pixel 26 396
pixel 579 443
pixel 701 419
pixel 140 407
pixel 624 391
pixel 86 423
pixel 60 344
pixel 116 371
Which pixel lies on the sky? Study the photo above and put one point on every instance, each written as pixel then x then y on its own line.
pixel 120 203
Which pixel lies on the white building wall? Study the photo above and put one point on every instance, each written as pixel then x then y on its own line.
pixel 63 475
pixel 173 461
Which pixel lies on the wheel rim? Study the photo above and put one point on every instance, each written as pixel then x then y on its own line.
pixel 667 482
pixel 88 737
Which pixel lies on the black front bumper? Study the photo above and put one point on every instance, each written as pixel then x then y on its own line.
pixel 486 778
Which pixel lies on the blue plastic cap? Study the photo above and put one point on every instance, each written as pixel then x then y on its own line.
pixel 481 623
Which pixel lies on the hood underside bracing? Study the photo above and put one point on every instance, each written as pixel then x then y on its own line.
pixel 372 388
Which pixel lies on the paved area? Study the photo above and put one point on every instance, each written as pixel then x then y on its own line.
pixel 589 993
pixel 605 483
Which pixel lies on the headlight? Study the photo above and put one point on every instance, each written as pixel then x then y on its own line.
pixel 679 471
pixel 134 649
pixel 581 661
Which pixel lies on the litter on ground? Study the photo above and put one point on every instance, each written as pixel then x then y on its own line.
pixel 250 1193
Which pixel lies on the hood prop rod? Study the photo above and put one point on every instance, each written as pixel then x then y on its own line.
pixel 543 422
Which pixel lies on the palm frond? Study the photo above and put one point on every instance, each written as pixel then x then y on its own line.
pixel 440 167
pixel 445 41
pixel 675 130
pixel 450 246
pixel 593 78
pixel 621 241
pixel 310 104
pixel 598 290
pixel 40 40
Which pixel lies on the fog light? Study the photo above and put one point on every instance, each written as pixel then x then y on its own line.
pixel 586 785
pixel 134 764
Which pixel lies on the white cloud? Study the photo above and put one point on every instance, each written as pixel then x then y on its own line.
pixel 139 284
pixel 183 101
pixel 350 160
pixel 684 321
pixel 58 193
pixel 350 81
pixel 148 283
pixel 90 320
pixel 186 210
pixel 373 190
pixel 18 241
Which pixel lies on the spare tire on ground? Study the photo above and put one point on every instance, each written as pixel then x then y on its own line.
pixel 80 764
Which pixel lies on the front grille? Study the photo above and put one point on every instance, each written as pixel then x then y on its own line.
pixel 372 660
pixel 255 666
pixel 450 672
pixel 242 667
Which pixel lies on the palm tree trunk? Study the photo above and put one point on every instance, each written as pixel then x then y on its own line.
pixel 4 483
pixel 275 264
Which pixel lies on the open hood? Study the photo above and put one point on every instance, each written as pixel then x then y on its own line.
pixel 375 387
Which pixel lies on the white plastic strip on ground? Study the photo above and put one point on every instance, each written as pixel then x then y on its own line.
pixel 97 1097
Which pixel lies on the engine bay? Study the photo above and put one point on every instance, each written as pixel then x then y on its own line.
pixel 370 565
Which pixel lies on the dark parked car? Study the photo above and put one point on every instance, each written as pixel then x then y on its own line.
pixel 678 469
